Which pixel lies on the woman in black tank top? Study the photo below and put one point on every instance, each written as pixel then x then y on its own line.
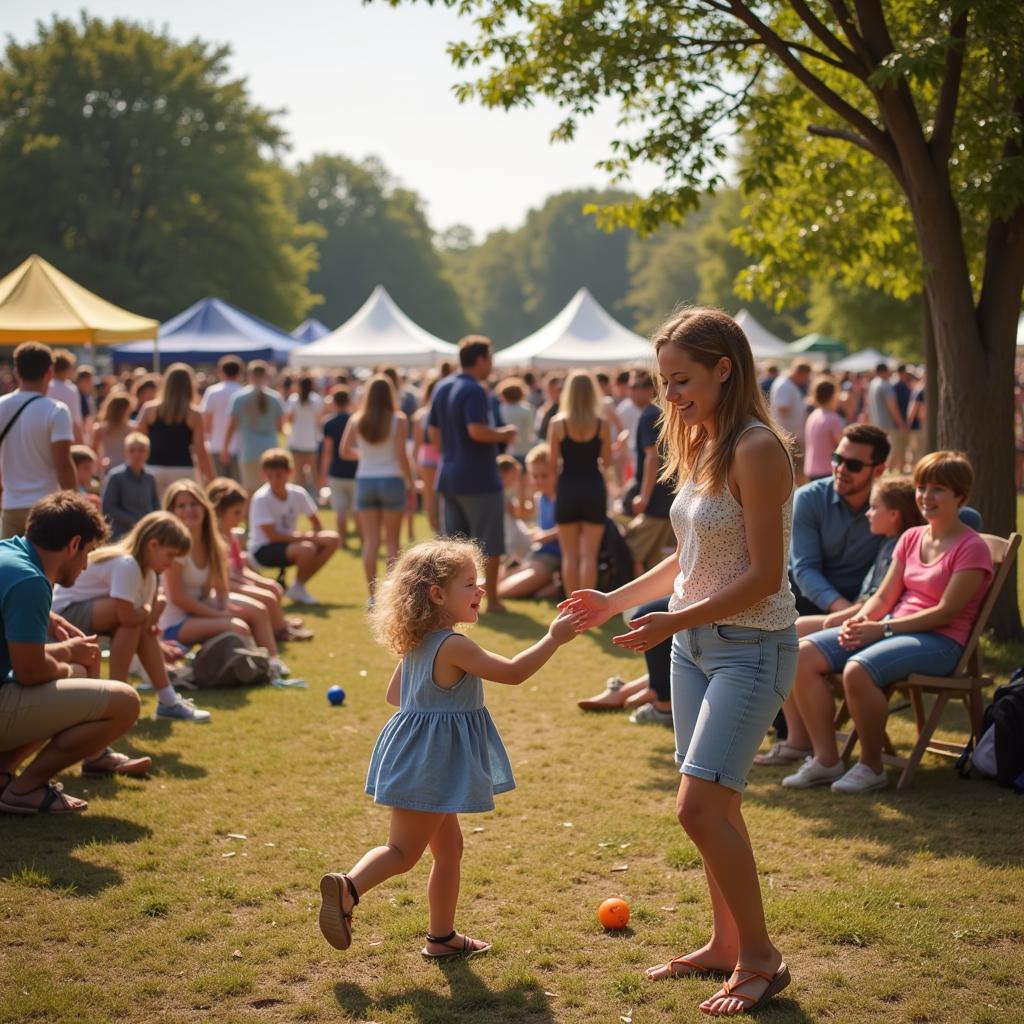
pixel 174 423
pixel 581 447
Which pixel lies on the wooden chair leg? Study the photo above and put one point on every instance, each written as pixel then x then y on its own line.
pixel 918 705
pixel 923 739
pixel 975 712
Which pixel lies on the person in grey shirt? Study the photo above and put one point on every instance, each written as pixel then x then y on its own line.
pixel 883 409
pixel 130 490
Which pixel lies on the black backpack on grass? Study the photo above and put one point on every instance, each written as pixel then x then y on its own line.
pixel 614 561
pixel 1005 716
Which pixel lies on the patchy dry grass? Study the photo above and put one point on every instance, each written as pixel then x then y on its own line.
pixel 899 908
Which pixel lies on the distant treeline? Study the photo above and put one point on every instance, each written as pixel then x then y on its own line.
pixel 138 166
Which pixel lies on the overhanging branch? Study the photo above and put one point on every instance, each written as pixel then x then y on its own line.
pixel 847 59
pixel 941 142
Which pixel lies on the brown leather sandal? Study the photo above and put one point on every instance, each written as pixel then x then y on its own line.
pixel 335 923
pixel 54 801
pixel 776 983
pixel 465 946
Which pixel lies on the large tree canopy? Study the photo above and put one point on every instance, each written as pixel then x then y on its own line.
pixel 887 137
pixel 374 233
pixel 139 168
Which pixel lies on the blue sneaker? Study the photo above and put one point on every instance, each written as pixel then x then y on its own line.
pixel 183 710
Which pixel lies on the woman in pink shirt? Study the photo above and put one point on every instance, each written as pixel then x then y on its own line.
pixel 822 431
pixel 917 621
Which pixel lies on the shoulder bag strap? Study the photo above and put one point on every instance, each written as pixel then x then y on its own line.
pixel 14 418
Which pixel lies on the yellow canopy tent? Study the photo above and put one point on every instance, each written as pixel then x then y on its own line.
pixel 39 303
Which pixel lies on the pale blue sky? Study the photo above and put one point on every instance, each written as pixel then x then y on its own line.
pixel 373 80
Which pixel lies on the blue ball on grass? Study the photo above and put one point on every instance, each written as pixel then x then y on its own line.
pixel 336 695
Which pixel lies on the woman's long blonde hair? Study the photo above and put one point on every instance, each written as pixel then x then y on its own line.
pixel 177 394
pixel 163 527
pixel 373 421
pixel 403 613
pixel 579 402
pixel 207 530
pixel 708 335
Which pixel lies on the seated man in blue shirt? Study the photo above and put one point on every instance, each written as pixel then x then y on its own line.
pixel 42 704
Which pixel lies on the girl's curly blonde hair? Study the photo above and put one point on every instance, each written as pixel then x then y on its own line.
pixel 403 613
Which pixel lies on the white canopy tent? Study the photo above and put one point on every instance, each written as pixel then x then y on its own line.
pixel 763 343
pixel 862 362
pixel 583 335
pixel 378 332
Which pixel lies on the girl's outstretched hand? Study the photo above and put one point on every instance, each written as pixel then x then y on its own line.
pixel 563 628
pixel 589 608
pixel 646 631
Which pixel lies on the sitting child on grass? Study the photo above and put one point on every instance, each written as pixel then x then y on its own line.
pixel 84 460
pixel 116 596
pixel 518 540
pixel 429 767
pixel 274 539
pixel 130 489
pixel 229 501
pixel 199 602
pixel 538 575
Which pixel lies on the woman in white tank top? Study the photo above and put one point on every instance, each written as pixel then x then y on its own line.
pixel 730 615
pixel 385 486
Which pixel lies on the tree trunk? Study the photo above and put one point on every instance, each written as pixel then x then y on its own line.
pixel 974 377
pixel 930 427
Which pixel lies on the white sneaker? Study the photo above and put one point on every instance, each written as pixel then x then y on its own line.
pixel 813 773
pixel 182 710
pixel 280 668
pixel 298 593
pixel 861 779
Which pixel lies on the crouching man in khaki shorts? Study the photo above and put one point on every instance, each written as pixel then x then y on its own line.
pixel 41 705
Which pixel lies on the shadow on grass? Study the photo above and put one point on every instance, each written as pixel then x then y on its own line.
pixel 468 997
pixel 39 851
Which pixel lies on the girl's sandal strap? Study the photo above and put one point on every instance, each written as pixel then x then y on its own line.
pixel 442 940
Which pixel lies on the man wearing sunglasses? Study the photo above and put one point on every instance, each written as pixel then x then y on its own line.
pixel 833 546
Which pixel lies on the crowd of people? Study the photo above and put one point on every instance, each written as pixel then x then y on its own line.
pixel 758 535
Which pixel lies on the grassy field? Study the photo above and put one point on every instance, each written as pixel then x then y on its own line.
pixel 903 908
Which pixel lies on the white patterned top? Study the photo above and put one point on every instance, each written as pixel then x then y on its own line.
pixel 713 553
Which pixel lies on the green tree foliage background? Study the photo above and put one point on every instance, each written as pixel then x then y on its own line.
pixel 374 232
pixel 136 165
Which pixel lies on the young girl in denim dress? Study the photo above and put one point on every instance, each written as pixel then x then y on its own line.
pixel 440 755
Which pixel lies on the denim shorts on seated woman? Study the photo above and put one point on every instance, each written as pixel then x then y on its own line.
pixel 384 492
pixel 889 661
pixel 728 683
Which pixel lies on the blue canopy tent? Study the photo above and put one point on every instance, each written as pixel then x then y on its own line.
pixel 310 330
pixel 204 332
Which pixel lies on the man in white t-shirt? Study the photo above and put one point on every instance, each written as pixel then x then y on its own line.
pixel 35 454
pixel 788 401
pixel 216 408
pixel 274 539
pixel 62 388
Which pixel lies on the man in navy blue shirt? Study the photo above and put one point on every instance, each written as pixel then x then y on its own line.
pixel 339 474
pixel 461 424
pixel 43 703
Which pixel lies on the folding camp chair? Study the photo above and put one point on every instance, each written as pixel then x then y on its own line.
pixel 964 683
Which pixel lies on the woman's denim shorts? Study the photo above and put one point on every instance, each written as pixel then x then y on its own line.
pixel 384 492
pixel 889 661
pixel 728 683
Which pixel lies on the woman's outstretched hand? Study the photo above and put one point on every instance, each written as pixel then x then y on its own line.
pixel 647 631
pixel 589 608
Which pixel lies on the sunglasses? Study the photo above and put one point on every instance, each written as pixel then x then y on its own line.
pixel 853 465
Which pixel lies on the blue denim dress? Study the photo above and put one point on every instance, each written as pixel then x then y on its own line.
pixel 440 751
